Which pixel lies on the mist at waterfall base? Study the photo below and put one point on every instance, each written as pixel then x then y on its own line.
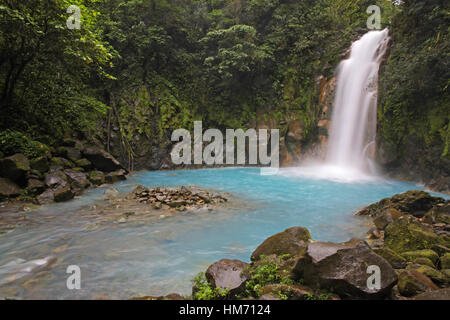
pixel 352 139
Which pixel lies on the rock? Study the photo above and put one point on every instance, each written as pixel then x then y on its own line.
pixel 78 180
pixel 424 262
pixel 445 261
pixel 269 297
pixel 412 282
pixel 171 296
pixel 293 292
pixel 343 267
pixel 396 260
pixel 291 241
pixel 56 179
pixel 228 274
pixel 61 162
pixel 406 234
pixel 112 193
pixel 36 186
pixel 116 176
pixel 441 184
pixel 386 217
pixel 101 159
pixel 441 294
pixel 8 188
pixel 426 253
pixel 46 197
pixel 96 177
pixel 440 249
pixel 436 276
pixel 438 214
pixel 40 164
pixel 415 202
pixel 73 154
pixel 15 168
pixel 176 203
pixel 63 193
pixel 84 163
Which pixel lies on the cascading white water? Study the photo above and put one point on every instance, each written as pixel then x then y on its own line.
pixel 354 119
pixel 353 123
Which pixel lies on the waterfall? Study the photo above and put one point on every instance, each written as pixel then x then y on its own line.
pixel 354 118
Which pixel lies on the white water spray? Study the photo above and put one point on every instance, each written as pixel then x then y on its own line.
pixel 354 119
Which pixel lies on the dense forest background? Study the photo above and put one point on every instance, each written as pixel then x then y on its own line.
pixel 138 69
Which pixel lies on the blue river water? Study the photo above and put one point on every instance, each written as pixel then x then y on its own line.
pixel 160 258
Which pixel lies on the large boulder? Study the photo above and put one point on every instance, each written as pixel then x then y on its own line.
pixel 78 180
pixel 8 188
pixel 425 253
pixel 412 282
pixel 35 186
pixel 101 159
pixel 440 213
pixel 291 241
pixel 396 260
pixel 436 276
pixel 15 168
pixel 407 234
pixel 386 217
pixel 344 267
pixel 46 197
pixel 413 202
pixel 228 274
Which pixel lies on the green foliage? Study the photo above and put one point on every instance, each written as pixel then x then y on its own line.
pixel 266 272
pixel 204 290
pixel 12 142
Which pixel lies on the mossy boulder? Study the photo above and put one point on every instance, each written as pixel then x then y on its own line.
pixel 84 163
pixel 396 260
pixel 291 241
pixel 229 275
pixel 61 162
pixel 438 214
pixel 63 193
pixel 40 164
pixel 441 294
pixel 414 202
pixel 436 276
pixel 287 292
pixel 424 262
pixel 412 282
pixel 96 177
pixel 407 234
pixel 15 168
pixel 445 261
pixel 425 253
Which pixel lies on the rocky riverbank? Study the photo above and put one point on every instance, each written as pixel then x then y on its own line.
pixel 59 174
pixel 409 244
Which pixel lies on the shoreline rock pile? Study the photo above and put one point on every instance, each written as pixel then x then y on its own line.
pixel 182 198
pixel 58 175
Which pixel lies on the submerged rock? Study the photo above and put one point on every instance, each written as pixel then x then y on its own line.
pixel 228 274
pixel 291 241
pixel 343 267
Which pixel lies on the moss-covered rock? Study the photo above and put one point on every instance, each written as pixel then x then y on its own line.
pixel 426 253
pixel 287 292
pixel 407 234
pixel 413 202
pixel 96 177
pixel 440 213
pixel 40 164
pixel 424 262
pixel 412 282
pixel 84 163
pixel 436 276
pixel 445 261
pixel 396 260
pixel 15 168
pixel 291 241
